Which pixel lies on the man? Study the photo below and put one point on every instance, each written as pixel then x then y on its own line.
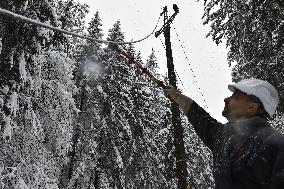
pixel 247 152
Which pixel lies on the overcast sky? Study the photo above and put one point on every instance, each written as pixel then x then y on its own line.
pixel 207 60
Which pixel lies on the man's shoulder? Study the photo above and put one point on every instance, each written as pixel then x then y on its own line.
pixel 263 131
pixel 271 137
pixel 276 139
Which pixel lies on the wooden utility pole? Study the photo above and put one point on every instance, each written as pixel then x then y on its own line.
pixel 181 166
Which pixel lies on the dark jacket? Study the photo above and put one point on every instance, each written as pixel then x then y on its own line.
pixel 246 155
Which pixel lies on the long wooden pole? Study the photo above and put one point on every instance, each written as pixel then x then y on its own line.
pixel 181 166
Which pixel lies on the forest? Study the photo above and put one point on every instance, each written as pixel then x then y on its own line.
pixel 76 115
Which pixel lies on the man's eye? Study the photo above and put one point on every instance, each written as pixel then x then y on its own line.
pixel 234 95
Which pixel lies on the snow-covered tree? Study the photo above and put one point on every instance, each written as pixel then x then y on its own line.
pixel 151 62
pixel 150 109
pixel 36 98
pixel 83 164
pixel 71 16
pixel 199 158
pixel 254 34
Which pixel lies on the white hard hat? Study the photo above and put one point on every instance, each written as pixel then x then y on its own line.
pixel 263 90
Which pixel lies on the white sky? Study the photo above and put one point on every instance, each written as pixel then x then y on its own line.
pixel 207 60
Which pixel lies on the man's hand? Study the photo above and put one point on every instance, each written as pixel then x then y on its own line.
pixel 171 92
pixel 183 101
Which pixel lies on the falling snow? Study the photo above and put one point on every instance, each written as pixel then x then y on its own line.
pixel 22 68
pixel 248 2
pixel 75 115
pixel 7 134
pixel 13 103
pixel 0 45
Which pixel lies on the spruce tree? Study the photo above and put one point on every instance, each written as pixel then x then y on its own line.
pixel 36 98
pixel 151 111
pixel 254 34
pixel 85 167
pixel 71 16
pixel 116 109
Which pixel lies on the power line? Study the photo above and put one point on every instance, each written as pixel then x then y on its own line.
pixel 194 76
pixel 34 22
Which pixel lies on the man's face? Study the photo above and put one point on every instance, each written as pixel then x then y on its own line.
pixel 238 106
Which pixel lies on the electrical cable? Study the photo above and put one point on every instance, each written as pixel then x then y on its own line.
pixel 31 21
pixel 194 76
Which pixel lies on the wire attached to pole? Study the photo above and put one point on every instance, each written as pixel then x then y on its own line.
pixel 31 21
pixel 193 74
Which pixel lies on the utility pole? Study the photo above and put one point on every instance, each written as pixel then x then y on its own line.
pixel 181 166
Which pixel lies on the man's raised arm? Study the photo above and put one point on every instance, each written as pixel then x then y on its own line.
pixel 183 101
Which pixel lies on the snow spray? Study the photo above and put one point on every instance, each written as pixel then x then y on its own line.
pixel 92 68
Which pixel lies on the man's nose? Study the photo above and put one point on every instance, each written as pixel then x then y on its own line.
pixel 226 100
